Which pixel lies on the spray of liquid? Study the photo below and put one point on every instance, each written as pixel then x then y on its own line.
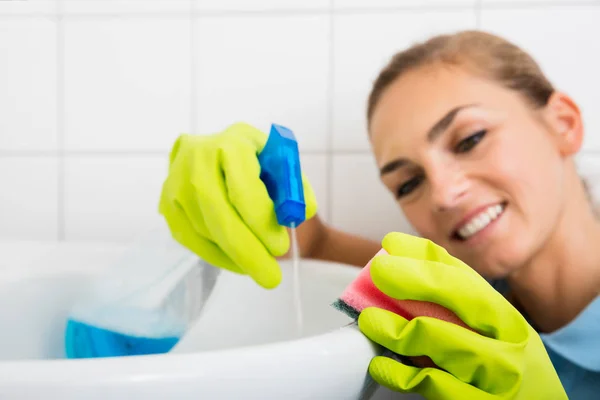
pixel 295 254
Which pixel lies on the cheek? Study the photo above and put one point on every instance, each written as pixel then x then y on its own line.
pixel 528 172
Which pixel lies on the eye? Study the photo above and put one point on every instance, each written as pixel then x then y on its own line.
pixel 407 187
pixel 470 142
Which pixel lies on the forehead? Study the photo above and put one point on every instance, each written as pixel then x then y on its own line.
pixel 413 103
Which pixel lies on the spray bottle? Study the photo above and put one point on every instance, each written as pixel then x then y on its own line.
pixel 282 175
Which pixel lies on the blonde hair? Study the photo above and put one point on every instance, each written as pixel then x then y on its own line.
pixel 483 53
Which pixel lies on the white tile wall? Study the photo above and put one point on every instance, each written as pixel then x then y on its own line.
pixel 29 198
pixel 127 83
pixel 264 69
pixel 30 7
pixel 28 95
pixel 94 92
pixel 124 6
pixel 261 5
pixel 400 4
pixel 112 197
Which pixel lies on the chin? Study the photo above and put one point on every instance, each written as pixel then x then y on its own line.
pixel 496 251
pixel 494 266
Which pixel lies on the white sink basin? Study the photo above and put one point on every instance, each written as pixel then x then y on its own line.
pixel 246 344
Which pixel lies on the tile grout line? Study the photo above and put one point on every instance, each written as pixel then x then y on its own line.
pixel 329 153
pixel 60 122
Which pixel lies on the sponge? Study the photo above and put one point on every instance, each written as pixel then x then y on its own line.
pixel 363 293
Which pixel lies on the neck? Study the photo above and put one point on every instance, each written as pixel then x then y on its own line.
pixel 564 276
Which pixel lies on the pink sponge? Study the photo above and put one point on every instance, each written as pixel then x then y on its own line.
pixel 363 293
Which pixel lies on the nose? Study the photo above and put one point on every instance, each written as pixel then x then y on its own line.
pixel 449 186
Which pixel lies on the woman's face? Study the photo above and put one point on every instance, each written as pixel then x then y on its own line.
pixel 472 165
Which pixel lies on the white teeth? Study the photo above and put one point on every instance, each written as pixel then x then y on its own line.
pixel 480 221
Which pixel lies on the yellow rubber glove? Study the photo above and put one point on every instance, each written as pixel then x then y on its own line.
pixel 217 206
pixel 505 360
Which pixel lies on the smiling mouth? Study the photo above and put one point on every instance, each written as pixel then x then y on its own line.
pixel 479 222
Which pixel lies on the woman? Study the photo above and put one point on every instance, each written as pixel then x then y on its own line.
pixel 477 146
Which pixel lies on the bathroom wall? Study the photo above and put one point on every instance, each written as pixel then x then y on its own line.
pixel 93 93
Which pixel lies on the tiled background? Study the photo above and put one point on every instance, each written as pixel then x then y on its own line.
pixel 93 93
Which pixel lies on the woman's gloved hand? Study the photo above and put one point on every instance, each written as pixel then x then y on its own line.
pixel 505 360
pixel 217 206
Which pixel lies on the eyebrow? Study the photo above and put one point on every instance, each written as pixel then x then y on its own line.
pixel 435 132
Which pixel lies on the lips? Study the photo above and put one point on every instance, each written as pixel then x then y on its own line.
pixel 479 221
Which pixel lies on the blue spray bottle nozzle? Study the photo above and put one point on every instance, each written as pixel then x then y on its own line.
pixel 281 173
